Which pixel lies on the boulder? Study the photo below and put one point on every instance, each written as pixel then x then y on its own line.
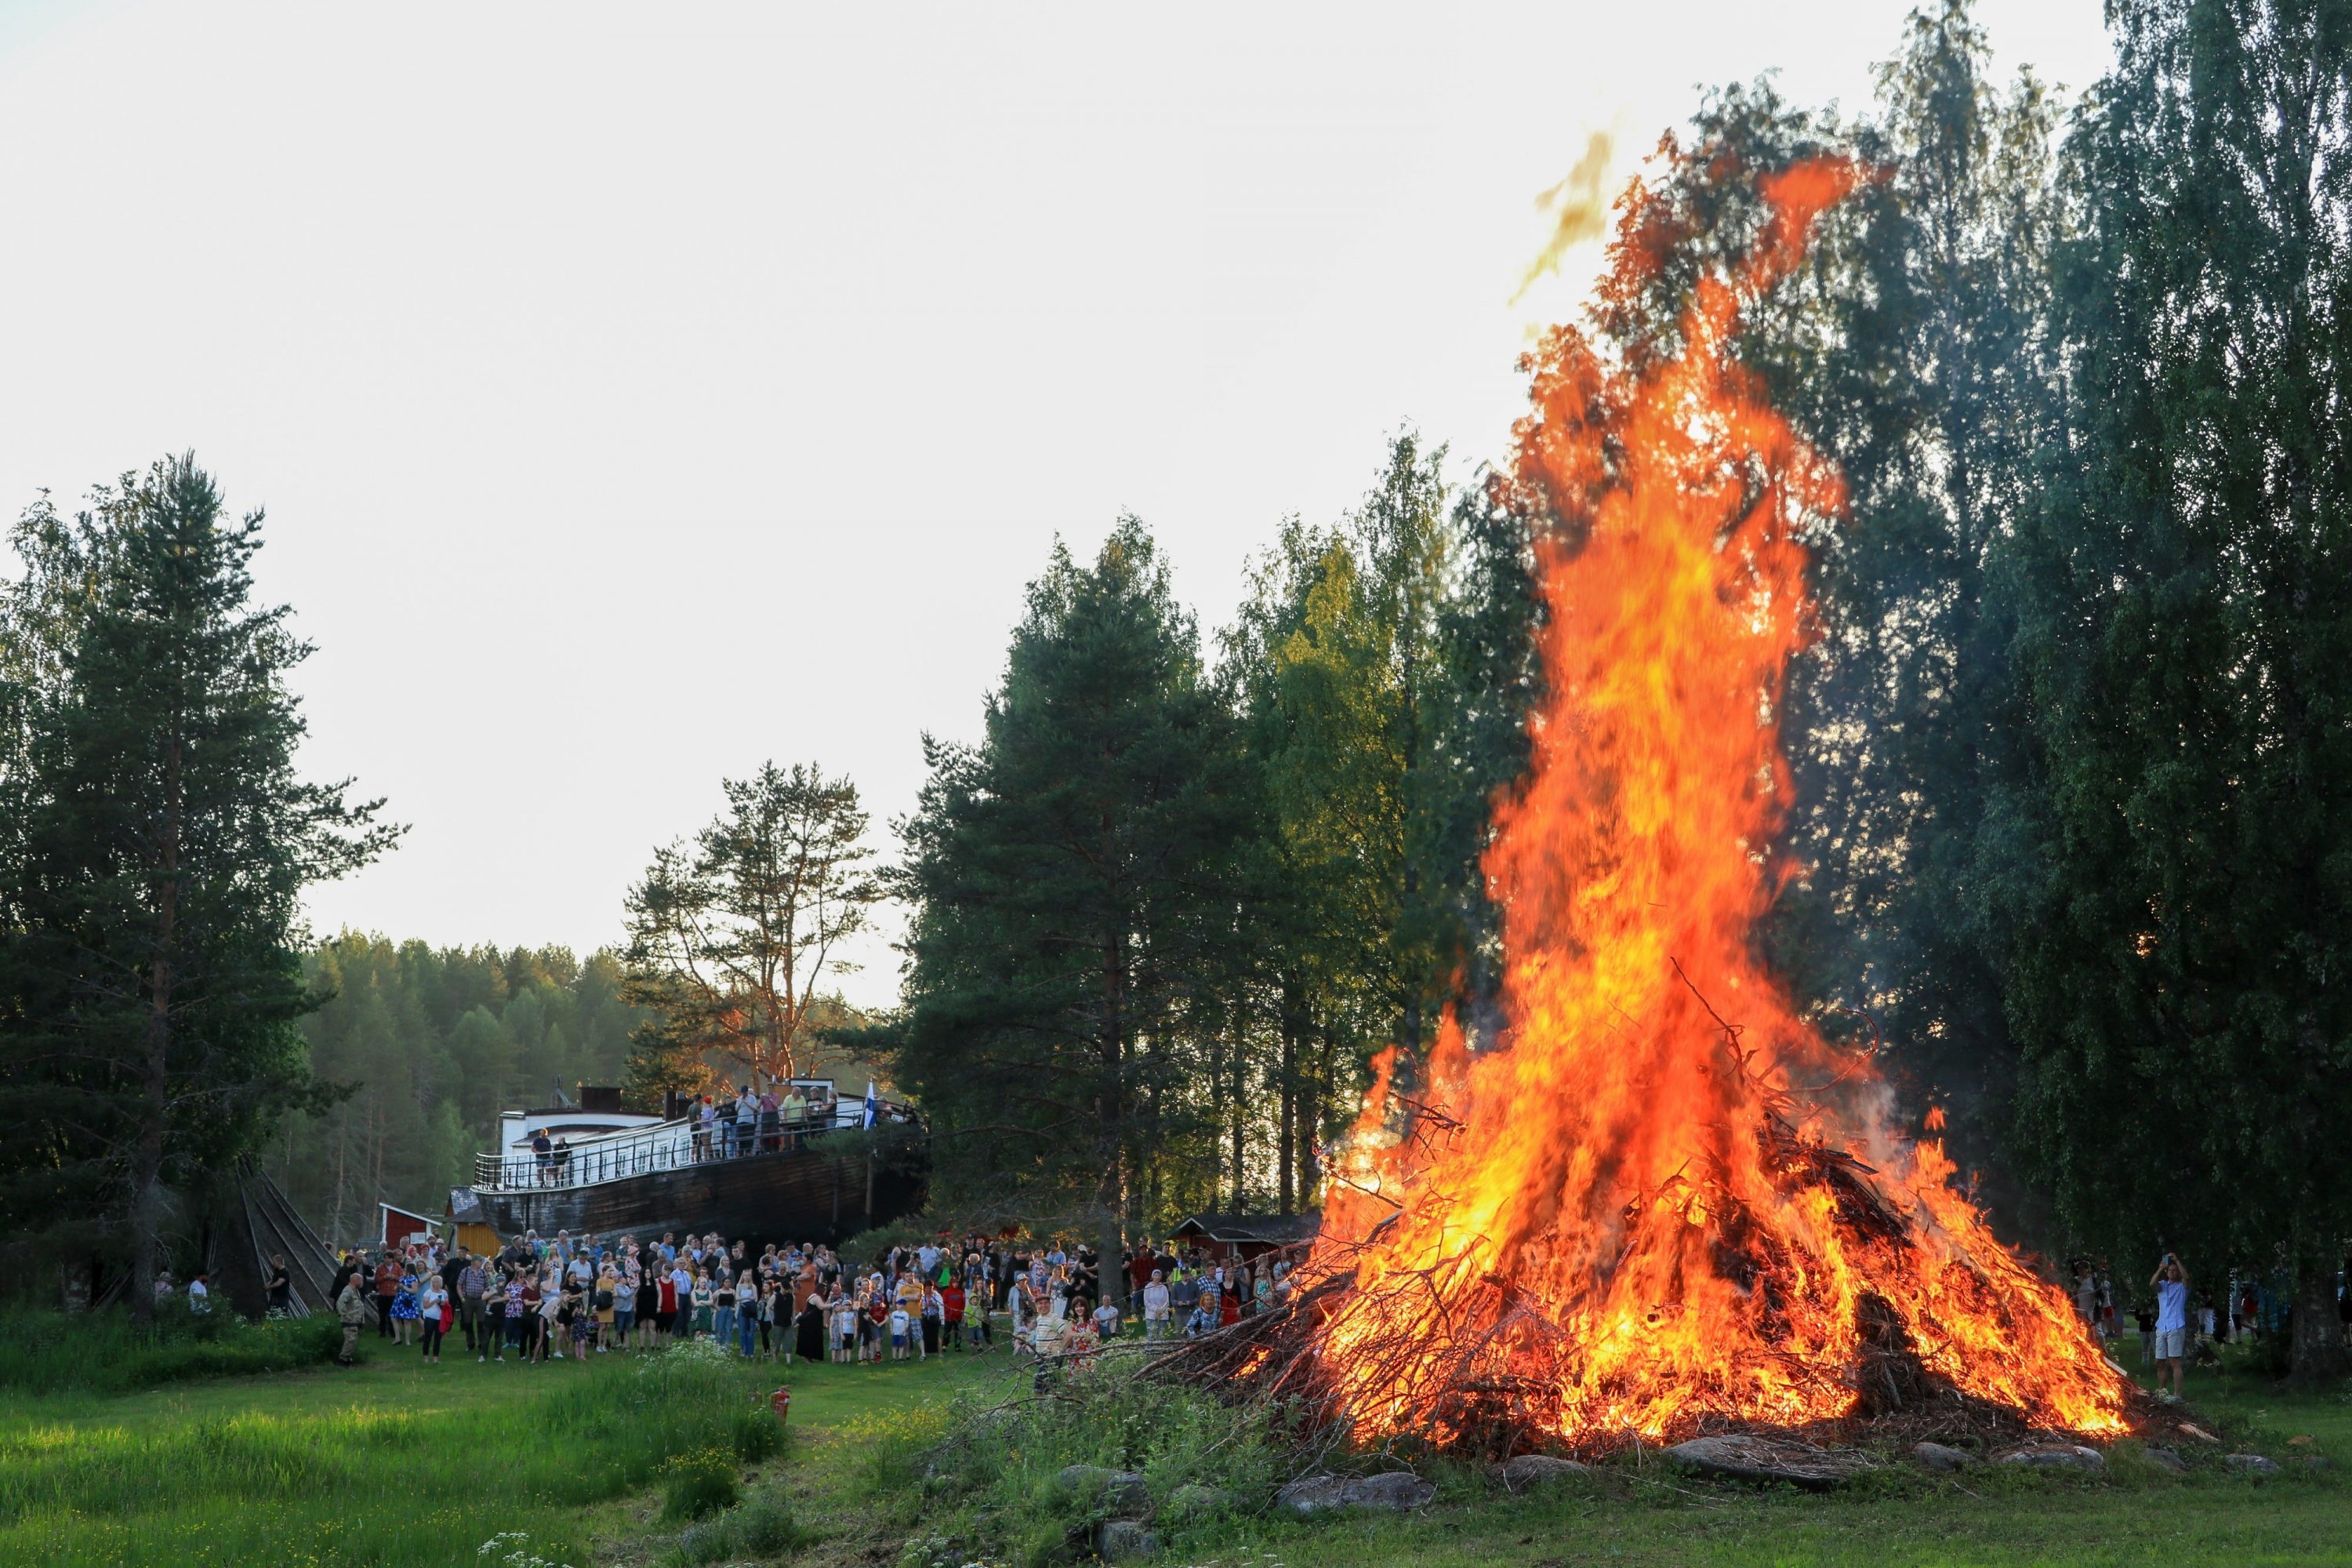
pixel 1529 1470
pixel 1117 1539
pixel 1942 1459
pixel 1121 1494
pixel 1768 1459
pixel 2251 1464
pixel 2166 1459
pixel 1311 1495
pixel 2058 1456
pixel 2311 1464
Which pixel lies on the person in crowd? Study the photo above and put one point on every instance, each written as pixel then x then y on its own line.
pixel 388 1286
pixel 473 1285
pixel 808 1331
pixel 2171 1282
pixel 200 1294
pixel 511 1309
pixel 931 1315
pixel 2144 1317
pixel 704 1300
pixel 350 1307
pixel 747 1314
pixel 722 1305
pixel 952 1299
pixel 1106 1321
pixel 978 1337
pixel 1158 1302
pixel 876 1322
pixel 405 1311
pixel 432 1318
pixel 899 1327
pixel 747 1119
pixel 280 1287
pixel 647 1294
pixel 604 1306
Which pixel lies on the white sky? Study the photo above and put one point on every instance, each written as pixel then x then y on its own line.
pixel 638 392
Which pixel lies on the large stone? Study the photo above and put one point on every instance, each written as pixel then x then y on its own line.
pixel 1768 1459
pixel 2166 1459
pixel 1530 1470
pixel 1942 1459
pixel 2057 1457
pixel 1121 1494
pixel 2251 1464
pixel 1116 1540
pixel 1312 1495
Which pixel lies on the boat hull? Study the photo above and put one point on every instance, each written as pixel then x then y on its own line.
pixel 815 1192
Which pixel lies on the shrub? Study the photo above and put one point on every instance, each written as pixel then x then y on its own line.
pixel 698 1483
pixel 756 1432
pixel 763 1527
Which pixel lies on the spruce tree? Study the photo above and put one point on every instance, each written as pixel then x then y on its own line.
pixel 1077 881
pixel 165 841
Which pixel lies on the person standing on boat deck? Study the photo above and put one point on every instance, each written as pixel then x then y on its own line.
pixel 747 1120
pixel 770 1108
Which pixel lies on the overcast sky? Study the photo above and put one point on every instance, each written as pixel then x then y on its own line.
pixel 638 392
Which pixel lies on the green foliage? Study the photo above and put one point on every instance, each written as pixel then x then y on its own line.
pixel 698 1483
pixel 2174 857
pixel 1077 879
pixel 158 861
pixel 731 940
pixel 106 1352
pixel 762 1527
pixel 994 1483
pixel 434 1042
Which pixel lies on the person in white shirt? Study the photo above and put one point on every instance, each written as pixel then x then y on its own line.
pixel 1155 1308
pixel 200 1297
pixel 1106 1321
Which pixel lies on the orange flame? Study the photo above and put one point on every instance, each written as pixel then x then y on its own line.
pixel 1641 1219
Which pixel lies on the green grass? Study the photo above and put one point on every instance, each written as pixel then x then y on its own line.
pixel 393 1465
pixel 105 1353
pixel 398 1465
pixel 993 1497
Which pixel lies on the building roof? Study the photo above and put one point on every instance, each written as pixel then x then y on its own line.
pixel 1275 1227
pixel 425 1220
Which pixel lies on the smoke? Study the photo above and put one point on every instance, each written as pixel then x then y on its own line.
pixel 1579 210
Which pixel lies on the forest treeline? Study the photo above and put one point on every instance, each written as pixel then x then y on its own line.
pixel 433 1044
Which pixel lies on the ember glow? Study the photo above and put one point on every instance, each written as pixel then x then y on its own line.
pixel 1667 1204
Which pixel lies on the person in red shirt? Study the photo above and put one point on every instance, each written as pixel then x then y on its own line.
pixel 668 1318
pixel 1139 1265
pixel 951 1312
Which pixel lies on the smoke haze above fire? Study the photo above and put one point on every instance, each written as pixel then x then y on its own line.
pixel 732 372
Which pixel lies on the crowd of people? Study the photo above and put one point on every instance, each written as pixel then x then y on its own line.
pixel 566 1298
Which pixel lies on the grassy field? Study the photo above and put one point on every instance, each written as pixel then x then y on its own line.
pixel 401 1465
pixel 393 1464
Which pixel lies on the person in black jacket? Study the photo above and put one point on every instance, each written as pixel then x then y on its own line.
pixel 280 1286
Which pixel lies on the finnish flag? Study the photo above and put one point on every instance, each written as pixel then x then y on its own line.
pixel 870 1106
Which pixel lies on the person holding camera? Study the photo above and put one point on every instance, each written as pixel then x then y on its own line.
pixel 2171 1282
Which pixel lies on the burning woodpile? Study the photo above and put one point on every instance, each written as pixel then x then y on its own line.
pixel 1663 1206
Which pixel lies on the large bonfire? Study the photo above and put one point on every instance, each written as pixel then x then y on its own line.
pixel 1663 1203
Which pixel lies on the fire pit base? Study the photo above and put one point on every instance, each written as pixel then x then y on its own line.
pixel 1771 1459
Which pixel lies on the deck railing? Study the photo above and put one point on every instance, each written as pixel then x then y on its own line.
pixel 677 1144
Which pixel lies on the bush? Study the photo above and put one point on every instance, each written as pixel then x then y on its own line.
pixel 698 1483
pixel 992 1487
pixel 756 1434
pixel 105 1353
pixel 763 1527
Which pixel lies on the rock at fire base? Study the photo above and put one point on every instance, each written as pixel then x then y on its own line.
pixel 1122 1494
pixel 1768 1459
pixel 1193 1501
pixel 1311 1495
pixel 2058 1456
pixel 1942 1459
pixel 1116 1540
pixel 2166 1459
pixel 1529 1470
pixel 2251 1464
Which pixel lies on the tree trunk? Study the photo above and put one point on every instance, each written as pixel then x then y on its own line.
pixel 1286 1143
pixel 2316 1353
